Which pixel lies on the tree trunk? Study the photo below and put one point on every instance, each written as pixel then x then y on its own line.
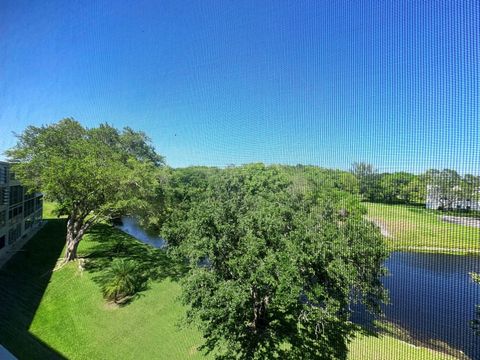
pixel 71 251
pixel 260 305
pixel 76 228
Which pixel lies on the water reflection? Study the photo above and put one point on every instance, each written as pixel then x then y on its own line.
pixel 131 227
pixel 433 297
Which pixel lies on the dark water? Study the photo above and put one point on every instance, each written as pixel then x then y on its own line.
pixel 131 227
pixel 431 295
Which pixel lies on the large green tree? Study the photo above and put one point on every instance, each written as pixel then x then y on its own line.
pixel 90 173
pixel 273 271
pixel 471 186
pixel 368 180
pixel 415 191
pixel 446 186
pixel 401 187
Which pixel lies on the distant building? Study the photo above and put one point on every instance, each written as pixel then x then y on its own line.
pixel 436 200
pixel 20 213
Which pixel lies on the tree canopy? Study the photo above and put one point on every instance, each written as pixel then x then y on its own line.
pixel 401 187
pixel 273 271
pixel 91 174
pixel 368 180
pixel 449 186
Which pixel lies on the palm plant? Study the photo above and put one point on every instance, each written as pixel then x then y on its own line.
pixel 121 281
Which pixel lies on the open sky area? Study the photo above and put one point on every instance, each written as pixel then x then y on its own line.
pixel 394 83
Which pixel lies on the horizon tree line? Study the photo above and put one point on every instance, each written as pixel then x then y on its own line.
pixel 408 188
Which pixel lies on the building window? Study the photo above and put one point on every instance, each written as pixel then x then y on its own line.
pixel 3 174
pixel 38 202
pixel 3 195
pixel 14 233
pixel 29 207
pixel 2 241
pixel 28 223
pixel 3 220
pixel 16 194
pixel 14 212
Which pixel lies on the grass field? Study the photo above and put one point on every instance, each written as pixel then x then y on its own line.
pixel 61 314
pixel 416 228
pixel 386 347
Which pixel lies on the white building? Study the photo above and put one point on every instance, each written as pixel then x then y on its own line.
pixel 20 213
pixel 437 200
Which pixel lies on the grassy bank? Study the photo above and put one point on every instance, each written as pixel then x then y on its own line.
pixel 415 228
pixel 67 317
pixel 59 314
pixel 383 347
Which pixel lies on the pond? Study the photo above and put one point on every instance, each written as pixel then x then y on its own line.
pixel 431 295
pixel 130 226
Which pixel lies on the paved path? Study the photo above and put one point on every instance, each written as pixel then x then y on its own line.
pixel 459 220
pixel 381 225
pixel 437 249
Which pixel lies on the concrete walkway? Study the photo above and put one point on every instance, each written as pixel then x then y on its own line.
pixel 459 220
pixel 381 225
pixel 5 354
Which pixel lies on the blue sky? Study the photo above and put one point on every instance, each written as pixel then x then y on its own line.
pixel 231 82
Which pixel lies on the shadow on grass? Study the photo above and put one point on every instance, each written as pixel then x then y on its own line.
pixel 366 323
pixel 376 326
pixel 23 281
pixel 397 331
pixel 110 243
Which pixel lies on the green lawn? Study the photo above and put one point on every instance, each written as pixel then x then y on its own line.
pixel 386 347
pixel 61 314
pixel 416 228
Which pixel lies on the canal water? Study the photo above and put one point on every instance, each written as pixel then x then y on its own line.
pixel 131 227
pixel 431 295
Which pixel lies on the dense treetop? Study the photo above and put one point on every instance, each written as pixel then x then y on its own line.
pixel 273 270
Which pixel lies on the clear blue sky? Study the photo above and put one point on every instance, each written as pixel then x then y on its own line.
pixel 231 82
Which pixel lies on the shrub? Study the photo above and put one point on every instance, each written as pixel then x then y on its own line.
pixel 122 281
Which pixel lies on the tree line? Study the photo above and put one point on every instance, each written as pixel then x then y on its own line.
pixel 407 188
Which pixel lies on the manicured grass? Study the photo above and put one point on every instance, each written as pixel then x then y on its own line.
pixel 416 228
pixel 88 328
pixel 23 281
pixel 61 314
pixel 383 347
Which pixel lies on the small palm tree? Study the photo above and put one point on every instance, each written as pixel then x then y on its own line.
pixel 121 281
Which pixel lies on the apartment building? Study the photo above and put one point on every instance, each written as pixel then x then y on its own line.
pixel 20 213
pixel 454 200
